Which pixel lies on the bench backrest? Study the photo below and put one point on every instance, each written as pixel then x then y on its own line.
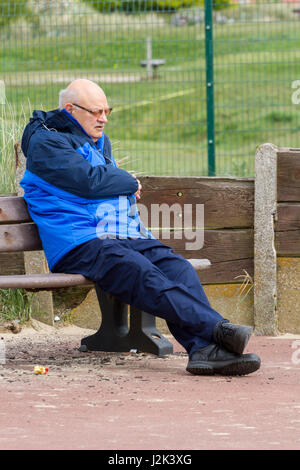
pixel 228 222
pixel 17 230
pixel 228 205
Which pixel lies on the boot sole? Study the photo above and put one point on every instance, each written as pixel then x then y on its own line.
pixel 241 366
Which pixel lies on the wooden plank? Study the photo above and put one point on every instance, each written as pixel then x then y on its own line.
pixel 228 202
pixel 227 272
pixel 155 183
pixel 288 215
pixel 219 245
pixel 288 175
pixel 23 237
pixel 287 229
pixel 13 209
pixel 287 243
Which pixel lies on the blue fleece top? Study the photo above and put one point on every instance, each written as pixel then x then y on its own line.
pixel 73 188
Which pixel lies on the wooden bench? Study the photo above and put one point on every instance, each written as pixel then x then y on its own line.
pixel 150 63
pixel 18 233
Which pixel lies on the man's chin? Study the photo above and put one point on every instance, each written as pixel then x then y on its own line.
pixel 97 135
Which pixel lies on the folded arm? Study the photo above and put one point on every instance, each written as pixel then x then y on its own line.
pixel 52 158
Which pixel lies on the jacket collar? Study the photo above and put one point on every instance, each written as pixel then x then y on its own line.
pixel 63 121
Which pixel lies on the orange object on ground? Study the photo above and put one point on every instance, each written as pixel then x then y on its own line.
pixel 40 370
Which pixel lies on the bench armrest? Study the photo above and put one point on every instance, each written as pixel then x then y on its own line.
pixel 200 264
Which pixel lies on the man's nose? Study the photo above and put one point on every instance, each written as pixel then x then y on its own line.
pixel 102 117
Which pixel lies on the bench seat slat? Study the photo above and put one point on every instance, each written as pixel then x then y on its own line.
pixel 58 280
pixel 43 281
pixel 13 209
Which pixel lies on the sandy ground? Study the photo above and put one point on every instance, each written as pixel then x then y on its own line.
pixel 112 401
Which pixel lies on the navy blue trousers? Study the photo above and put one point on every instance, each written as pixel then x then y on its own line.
pixel 150 276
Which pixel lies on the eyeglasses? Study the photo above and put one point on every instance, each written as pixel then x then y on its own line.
pixel 98 113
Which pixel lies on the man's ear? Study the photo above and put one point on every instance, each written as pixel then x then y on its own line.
pixel 69 107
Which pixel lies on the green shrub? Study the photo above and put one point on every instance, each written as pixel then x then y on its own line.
pixel 11 10
pixel 220 4
pixel 133 6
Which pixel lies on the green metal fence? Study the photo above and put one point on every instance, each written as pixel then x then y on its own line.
pixel 227 79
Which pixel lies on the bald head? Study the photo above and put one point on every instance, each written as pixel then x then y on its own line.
pixel 85 100
pixel 80 90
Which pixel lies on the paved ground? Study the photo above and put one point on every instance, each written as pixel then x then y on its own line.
pixel 138 401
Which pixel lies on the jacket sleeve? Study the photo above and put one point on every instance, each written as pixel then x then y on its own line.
pixel 51 157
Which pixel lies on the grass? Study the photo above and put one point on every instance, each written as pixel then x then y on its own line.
pixel 244 289
pixel 12 123
pixel 160 125
pixel 15 304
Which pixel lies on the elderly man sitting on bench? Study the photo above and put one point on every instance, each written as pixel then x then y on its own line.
pixel 85 210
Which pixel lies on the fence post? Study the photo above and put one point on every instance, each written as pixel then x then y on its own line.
pixel 265 270
pixel 210 118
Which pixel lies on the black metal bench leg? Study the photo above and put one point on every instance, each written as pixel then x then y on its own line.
pixel 144 336
pixel 113 331
pixel 114 334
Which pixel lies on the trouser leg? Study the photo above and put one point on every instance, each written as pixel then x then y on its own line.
pixel 176 268
pixel 133 278
pixel 179 270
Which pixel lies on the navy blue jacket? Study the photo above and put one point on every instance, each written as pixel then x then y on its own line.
pixel 73 188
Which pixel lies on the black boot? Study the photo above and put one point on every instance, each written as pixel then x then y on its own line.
pixel 232 337
pixel 215 360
